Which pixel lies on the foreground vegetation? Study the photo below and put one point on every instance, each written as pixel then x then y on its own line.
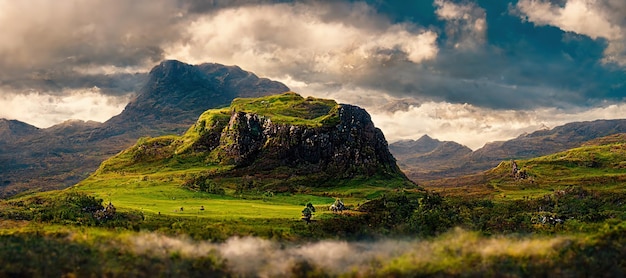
pixel 58 250
pixel 399 233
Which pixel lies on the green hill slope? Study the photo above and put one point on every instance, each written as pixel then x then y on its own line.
pixel 598 165
pixel 260 157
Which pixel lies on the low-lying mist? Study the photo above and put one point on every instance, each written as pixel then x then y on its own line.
pixel 252 256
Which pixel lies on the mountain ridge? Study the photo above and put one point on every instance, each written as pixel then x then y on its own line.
pixel 420 158
pixel 538 143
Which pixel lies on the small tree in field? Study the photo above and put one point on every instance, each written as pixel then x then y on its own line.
pixel 307 212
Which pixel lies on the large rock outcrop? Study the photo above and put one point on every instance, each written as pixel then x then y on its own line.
pixel 353 146
pixel 282 135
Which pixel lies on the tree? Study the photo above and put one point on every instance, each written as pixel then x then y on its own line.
pixel 307 212
pixel 310 206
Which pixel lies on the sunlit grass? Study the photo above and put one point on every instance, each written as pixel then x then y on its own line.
pixel 290 108
pixel 150 196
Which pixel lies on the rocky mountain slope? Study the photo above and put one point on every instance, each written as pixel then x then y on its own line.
pixel 309 140
pixel 455 163
pixel 173 97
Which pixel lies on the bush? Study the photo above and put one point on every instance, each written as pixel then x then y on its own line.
pixel 205 184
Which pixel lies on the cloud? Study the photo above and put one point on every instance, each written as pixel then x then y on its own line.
pixel 316 43
pixel 39 34
pixel 343 46
pixel 44 109
pixel 252 256
pixel 579 16
pixel 594 18
pixel 466 24
pixel 474 126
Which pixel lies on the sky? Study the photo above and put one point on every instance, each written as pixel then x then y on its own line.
pixel 470 71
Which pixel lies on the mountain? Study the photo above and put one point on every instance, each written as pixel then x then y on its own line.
pixel 174 95
pixel 420 146
pixel 457 162
pixel 11 130
pixel 420 158
pixel 280 140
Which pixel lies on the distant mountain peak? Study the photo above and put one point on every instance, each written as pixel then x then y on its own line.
pixel 172 71
pixel 11 130
pixel 425 139
pixel 177 93
pixel 72 125
pixel 422 145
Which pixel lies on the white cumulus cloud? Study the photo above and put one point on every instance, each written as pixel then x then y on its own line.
pixel 44 109
pixel 591 18
pixel 466 26
pixel 301 40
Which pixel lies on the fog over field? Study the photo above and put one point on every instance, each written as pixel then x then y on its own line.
pixel 251 256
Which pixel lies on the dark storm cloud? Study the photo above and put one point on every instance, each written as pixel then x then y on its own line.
pixel 207 6
pixel 486 53
pixel 508 63
pixel 114 84
pixel 520 65
pixel 75 43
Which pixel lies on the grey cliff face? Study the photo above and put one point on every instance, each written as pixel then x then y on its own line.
pixel 354 146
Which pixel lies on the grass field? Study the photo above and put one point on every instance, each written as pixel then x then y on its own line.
pixel 144 193
pixel 162 192
pixel 598 168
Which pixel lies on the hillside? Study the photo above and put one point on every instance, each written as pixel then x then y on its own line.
pixel 457 162
pixel 11 130
pixel 259 158
pixel 173 97
pixel 595 165
pixel 280 143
